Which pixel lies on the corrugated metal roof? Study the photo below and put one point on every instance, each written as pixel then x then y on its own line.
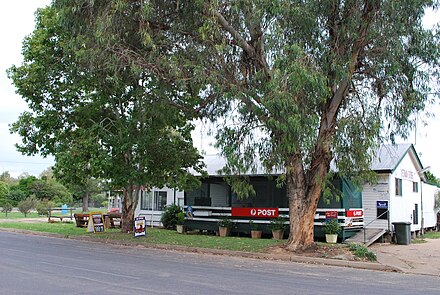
pixel 389 156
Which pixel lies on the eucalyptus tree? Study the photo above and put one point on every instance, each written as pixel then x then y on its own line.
pixel 112 122
pixel 295 83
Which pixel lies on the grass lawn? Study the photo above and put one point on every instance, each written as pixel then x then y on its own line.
pixel 432 235
pixel 15 215
pixel 154 236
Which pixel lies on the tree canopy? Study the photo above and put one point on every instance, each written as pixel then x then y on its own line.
pixel 113 122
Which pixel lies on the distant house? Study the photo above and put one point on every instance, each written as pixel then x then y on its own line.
pixel 401 193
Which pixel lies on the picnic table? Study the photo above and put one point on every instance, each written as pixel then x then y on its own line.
pixel 59 213
pixel 111 220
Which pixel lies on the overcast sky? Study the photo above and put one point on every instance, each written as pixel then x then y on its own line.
pixel 17 21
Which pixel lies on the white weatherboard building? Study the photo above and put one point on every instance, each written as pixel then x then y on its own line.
pixel 401 193
pixel 152 203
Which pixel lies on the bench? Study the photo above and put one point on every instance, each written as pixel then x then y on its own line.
pixel 58 213
pixel 81 219
pixel 113 220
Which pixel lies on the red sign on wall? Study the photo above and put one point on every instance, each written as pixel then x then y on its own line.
pixel 355 213
pixel 255 212
pixel 331 214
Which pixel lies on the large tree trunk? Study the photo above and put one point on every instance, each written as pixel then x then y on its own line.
pixel 85 202
pixel 304 190
pixel 129 203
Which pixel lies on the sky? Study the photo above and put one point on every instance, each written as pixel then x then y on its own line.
pixel 17 21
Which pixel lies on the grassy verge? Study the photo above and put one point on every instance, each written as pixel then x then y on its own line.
pixel 16 215
pixel 431 235
pixel 154 236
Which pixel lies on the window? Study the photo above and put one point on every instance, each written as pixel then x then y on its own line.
pixel 146 200
pixel 415 187
pixel 160 200
pixel 398 187
pixel 416 214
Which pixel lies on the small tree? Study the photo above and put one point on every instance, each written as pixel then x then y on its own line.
pixel 7 207
pixel 26 206
pixel 169 216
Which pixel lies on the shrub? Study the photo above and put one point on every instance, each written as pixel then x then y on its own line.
pixel 332 227
pixel 225 222
pixel 362 251
pixel 26 206
pixel 169 216
pixel 180 218
pixel 253 225
pixel 43 206
pixel 277 224
pixel 7 207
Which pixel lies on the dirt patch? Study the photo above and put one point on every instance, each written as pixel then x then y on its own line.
pixel 337 251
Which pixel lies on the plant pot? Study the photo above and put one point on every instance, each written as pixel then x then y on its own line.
pixel 180 228
pixel 278 234
pixel 223 231
pixel 331 238
pixel 256 234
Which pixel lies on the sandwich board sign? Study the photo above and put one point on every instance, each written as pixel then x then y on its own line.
pixel 96 223
pixel 139 227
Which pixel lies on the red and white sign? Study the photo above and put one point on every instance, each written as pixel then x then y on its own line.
pixel 359 213
pixel 331 214
pixel 255 212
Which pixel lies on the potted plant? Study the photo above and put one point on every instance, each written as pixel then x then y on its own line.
pixel 180 220
pixel 332 229
pixel 224 227
pixel 277 225
pixel 255 232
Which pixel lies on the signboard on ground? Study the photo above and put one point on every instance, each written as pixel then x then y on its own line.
pixel 96 223
pixel 255 212
pixel 139 227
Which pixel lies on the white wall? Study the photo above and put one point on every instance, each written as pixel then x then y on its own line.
pixel 370 195
pixel 401 207
pixel 154 216
pixel 429 214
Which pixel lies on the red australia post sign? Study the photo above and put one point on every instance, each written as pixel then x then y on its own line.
pixel 255 212
pixel 359 213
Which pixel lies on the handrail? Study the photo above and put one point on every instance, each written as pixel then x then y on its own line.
pixel 365 226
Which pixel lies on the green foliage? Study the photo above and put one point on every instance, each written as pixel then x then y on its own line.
pixel 362 251
pixel 169 217
pixel 122 121
pixel 225 222
pixel 277 224
pixel 27 205
pixel 432 179
pixel 42 206
pixel 180 218
pixel 6 208
pixel 332 227
pixel 292 85
pixel 253 225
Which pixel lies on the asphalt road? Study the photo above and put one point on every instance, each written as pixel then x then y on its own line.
pixel 41 265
